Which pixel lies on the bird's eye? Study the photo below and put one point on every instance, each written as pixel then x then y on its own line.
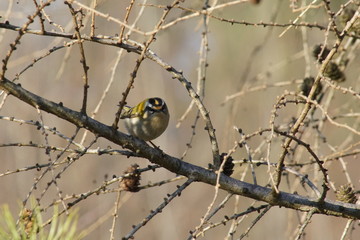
pixel 150 110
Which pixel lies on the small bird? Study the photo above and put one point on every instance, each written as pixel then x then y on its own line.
pixel 147 120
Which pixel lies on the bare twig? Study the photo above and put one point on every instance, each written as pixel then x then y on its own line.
pixel 159 209
pixel 77 27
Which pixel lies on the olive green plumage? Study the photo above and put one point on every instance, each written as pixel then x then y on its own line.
pixel 147 120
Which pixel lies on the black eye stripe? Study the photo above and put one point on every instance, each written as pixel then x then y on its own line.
pixel 150 109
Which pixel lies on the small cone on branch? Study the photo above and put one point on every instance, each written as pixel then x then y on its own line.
pixel 131 183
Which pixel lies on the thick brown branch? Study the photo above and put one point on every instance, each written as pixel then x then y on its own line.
pixel 175 165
